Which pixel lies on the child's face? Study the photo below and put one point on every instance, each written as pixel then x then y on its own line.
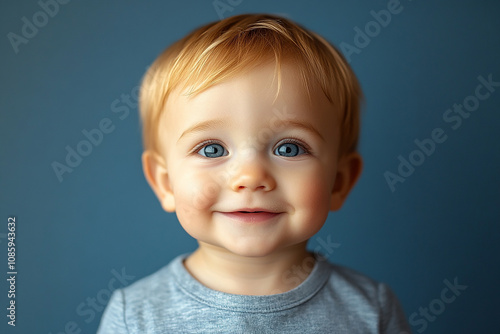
pixel 231 149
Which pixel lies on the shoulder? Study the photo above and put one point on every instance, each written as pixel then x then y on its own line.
pixel 349 282
pixel 130 309
pixel 345 277
pixel 150 283
pixel 154 288
pixel 361 295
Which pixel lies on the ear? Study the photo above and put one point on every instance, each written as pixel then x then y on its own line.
pixel 156 174
pixel 348 171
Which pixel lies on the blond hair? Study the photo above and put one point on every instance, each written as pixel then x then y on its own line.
pixel 223 49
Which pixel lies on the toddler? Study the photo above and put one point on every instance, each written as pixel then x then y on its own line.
pixel 250 129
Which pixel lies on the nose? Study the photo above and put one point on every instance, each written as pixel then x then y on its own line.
pixel 252 175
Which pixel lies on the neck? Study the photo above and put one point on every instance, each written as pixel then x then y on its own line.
pixel 224 271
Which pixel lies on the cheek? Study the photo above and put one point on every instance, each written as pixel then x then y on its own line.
pixel 314 194
pixel 309 191
pixel 194 191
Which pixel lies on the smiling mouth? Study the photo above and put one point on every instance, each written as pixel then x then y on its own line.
pixel 251 216
pixel 253 211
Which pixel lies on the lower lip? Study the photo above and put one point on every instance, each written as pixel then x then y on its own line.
pixel 255 217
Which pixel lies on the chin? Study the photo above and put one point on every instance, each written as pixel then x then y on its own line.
pixel 252 249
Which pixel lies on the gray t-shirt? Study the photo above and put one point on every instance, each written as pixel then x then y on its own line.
pixel 332 299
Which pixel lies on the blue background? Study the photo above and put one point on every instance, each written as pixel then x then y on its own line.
pixel 440 224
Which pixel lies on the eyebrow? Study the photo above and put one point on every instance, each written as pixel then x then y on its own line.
pixel 210 124
pixel 302 125
pixel 202 126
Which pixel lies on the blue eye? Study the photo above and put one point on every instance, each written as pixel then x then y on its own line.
pixel 289 150
pixel 212 151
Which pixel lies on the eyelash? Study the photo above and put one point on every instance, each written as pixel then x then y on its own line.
pixel 296 141
pixel 204 143
pixel 290 140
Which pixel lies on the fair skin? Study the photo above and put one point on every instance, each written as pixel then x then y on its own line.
pixel 250 178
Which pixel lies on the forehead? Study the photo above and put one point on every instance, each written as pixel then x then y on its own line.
pixel 252 95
